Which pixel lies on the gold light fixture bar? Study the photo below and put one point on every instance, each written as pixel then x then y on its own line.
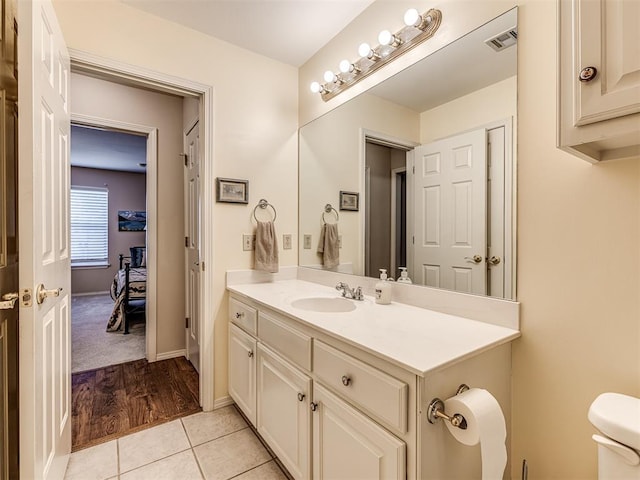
pixel 404 40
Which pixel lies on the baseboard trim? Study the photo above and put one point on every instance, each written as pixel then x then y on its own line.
pixel 173 354
pixel 222 402
pixel 86 294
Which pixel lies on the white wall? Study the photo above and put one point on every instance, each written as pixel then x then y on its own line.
pixel 255 125
pixel 578 246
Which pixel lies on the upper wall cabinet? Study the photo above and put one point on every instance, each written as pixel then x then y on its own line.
pixel 599 78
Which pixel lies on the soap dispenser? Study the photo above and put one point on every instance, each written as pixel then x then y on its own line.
pixel 404 276
pixel 383 289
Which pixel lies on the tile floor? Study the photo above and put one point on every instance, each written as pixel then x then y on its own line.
pixel 214 445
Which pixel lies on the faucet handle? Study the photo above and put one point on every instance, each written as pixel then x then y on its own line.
pixel 357 295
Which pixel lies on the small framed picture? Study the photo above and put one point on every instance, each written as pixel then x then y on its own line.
pixel 231 190
pixel 132 221
pixel 349 201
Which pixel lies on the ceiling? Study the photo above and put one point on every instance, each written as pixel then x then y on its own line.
pixel 108 150
pixel 290 31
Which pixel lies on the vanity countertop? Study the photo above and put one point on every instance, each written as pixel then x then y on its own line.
pixel 417 339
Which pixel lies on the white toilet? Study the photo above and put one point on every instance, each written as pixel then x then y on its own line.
pixel 617 416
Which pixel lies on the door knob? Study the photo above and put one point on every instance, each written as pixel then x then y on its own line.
pixel 494 260
pixel 9 300
pixel 475 258
pixel 42 293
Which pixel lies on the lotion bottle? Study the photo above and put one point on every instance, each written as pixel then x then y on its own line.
pixel 383 289
pixel 404 276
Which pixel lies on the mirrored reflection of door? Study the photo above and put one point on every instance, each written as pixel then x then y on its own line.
pixel 192 203
pixel 8 247
pixel 450 213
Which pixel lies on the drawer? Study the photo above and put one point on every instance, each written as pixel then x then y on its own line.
pixel 288 341
pixel 243 315
pixel 379 393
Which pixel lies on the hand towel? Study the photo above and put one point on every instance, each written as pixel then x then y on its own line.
pixel 266 248
pixel 329 246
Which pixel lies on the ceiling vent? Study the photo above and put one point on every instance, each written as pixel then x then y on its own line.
pixel 503 40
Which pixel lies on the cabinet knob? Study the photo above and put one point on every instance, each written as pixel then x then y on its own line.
pixel 313 406
pixel 301 396
pixel 239 314
pixel 346 381
pixel 587 74
pixel 250 353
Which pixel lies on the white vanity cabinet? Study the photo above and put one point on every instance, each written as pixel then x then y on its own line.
pixel 599 79
pixel 242 370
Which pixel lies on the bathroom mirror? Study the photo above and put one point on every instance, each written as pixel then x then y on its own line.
pixel 420 170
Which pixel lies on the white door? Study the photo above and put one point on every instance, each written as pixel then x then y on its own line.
pixel 497 233
pixel 284 418
pixel 192 243
pixel 607 38
pixel 450 195
pixel 242 371
pixel 43 149
pixel 349 445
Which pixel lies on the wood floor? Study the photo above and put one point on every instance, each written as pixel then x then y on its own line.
pixel 113 401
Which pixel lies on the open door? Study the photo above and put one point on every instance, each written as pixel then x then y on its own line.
pixel 450 192
pixel 43 186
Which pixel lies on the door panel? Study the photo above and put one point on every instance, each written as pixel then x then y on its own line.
pixel 192 219
pixel 450 189
pixel 45 415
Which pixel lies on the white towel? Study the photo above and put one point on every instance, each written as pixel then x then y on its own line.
pixel 266 247
pixel 329 246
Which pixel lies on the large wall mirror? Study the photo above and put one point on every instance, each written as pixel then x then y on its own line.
pixel 419 171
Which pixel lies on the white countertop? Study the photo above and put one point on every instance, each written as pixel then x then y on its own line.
pixel 413 338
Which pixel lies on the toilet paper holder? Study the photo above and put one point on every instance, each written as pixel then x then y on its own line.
pixel 436 411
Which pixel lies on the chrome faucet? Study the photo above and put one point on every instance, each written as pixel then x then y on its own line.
pixel 348 292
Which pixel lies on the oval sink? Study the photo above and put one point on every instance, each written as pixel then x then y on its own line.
pixel 324 304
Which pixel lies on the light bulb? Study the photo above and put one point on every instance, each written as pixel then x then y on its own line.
pixel 329 76
pixel 345 66
pixel 412 18
pixel 364 50
pixel 385 37
pixel 315 87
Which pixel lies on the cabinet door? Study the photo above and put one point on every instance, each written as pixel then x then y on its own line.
pixel 284 417
pixel 606 36
pixel 242 371
pixel 349 445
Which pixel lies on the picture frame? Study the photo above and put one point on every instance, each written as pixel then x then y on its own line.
pixel 232 190
pixel 132 220
pixel 349 201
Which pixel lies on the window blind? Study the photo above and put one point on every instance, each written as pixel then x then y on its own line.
pixel 89 226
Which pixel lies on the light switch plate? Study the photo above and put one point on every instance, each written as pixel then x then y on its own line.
pixel 248 242
pixel 307 241
pixel 286 241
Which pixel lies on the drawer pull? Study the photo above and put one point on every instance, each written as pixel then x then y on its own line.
pixel 346 381
pixel 301 397
pixel 250 353
pixel 239 315
pixel 313 406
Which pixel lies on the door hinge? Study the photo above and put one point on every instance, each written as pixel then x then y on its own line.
pixel 186 242
pixel 202 263
pixel 186 322
pixel 413 169
pixel 186 159
pixel 413 240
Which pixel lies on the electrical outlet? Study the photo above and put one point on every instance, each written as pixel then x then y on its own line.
pixel 307 241
pixel 248 242
pixel 286 241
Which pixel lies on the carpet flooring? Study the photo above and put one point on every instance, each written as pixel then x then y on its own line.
pixel 114 401
pixel 91 345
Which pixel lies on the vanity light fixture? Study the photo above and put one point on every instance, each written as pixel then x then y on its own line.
pixel 417 29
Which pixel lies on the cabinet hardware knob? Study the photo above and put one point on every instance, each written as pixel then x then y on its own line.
pixel 239 314
pixel 250 353
pixel 301 397
pixel 313 406
pixel 346 381
pixel 587 74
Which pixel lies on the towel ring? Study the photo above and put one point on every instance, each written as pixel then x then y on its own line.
pixel 264 204
pixel 327 209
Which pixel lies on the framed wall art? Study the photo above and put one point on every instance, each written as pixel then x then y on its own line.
pixel 231 190
pixel 349 201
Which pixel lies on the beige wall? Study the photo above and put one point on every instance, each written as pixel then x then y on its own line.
pixel 98 98
pixel 255 119
pixel 578 249
pixel 127 191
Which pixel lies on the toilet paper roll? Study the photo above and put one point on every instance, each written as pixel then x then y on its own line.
pixel 485 425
